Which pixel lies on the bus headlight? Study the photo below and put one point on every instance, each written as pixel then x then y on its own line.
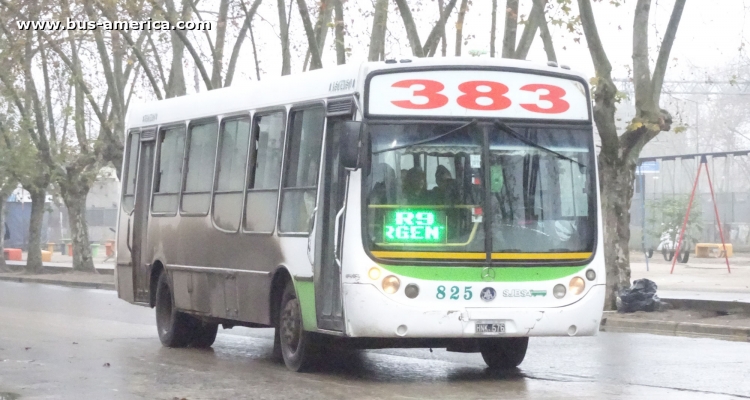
pixel 559 291
pixel 391 284
pixel 590 275
pixel 411 290
pixel 577 285
pixel 374 273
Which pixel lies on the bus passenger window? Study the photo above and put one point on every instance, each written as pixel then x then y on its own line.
pixel 264 173
pixel 199 172
pixel 169 175
pixel 130 173
pixel 301 170
pixel 235 135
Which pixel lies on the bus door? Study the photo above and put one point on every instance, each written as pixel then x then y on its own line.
pixel 329 225
pixel 140 215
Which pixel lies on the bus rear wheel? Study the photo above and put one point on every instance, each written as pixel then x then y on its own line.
pixel 298 347
pixel 504 353
pixel 203 334
pixel 174 327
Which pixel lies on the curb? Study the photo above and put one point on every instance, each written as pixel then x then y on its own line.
pixel 84 285
pixel 688 329
pixel 729 307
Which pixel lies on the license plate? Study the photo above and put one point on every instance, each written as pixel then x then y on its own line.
pixel 490 328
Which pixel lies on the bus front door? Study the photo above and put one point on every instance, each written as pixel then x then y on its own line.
pixel 328 226
pixel 140 217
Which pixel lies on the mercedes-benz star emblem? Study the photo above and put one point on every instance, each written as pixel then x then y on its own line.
pixel 488 274
pixel 488 294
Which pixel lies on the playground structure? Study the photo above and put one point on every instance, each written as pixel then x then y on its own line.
pixel 666 187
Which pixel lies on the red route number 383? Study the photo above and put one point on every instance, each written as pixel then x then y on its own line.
pixel 493 95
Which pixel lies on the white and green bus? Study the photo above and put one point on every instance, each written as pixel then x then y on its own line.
pixel 442 203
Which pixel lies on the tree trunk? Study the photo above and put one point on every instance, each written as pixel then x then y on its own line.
pixel 34 258
pixel 286 58
pixel 339 31
pixel 2 232
pixel 176 81
pixel 379 23
pixel 460 26
pixel 218 55
pixel 312 42
pixel 511 25
pixel 411 28
pixel 493 28
pixel 616 195
pixel 75 201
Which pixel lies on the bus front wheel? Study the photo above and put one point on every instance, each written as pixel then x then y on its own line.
pixel 504 353
pixel 298 347
pixel 174 327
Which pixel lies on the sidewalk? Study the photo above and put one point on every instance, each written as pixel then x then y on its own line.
pixel 60 272
pixel 708 300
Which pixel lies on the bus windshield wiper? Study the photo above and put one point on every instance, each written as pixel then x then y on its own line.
pixel 428 140
pixel 520 137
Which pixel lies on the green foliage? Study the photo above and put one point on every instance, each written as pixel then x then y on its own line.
pixel 666 215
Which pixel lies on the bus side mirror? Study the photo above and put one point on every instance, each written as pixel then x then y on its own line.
pixel 351 145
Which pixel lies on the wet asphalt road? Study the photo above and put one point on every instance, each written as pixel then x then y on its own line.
pixel 63 343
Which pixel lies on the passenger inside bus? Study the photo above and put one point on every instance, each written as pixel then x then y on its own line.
pixel 446 191
pixel 414 188
pixel 384 189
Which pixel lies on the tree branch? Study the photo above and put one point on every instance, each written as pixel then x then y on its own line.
pixel 511 25
pixel 666 47
pixel 644 106
pixel 189 46
pixel 438 31
pixel 240 39
pixel 529 30
pixel 411 28
pixel 312 42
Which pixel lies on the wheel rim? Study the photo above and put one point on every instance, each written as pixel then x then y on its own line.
pixel 164 309
pixel 291 325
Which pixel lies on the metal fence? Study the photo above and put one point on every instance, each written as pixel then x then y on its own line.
pixel 673 178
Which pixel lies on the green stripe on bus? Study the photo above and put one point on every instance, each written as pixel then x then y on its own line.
pixel 306 296
pixel 474 274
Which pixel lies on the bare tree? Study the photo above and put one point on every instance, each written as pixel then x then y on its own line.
pixel 379 27
pixel 286 57
pixel 412 34
pixel 619 153
pixel 460 25
pixel 339 31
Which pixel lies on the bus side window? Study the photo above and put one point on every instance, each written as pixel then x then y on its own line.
pixel 301 169
pixel 199 170
pixel 130 173
pixel 230 177
pixel 264 172
pixel 169 175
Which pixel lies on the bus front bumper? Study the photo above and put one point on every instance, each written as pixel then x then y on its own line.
pixel 369 313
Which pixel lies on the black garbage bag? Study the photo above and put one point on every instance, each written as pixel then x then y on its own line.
pixel 641 296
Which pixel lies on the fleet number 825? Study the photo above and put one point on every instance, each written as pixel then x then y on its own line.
pixel 454 292
pixel 431 90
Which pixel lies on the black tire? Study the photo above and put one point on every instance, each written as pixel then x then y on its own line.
pixel 504 353
pixel 298 347
pixel 203 334
pixel 668 254
pixel 685 257
pixel 173 326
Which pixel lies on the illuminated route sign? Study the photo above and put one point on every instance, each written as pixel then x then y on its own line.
pixel 414 226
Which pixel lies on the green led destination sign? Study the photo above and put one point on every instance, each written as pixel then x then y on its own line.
pixel 414 226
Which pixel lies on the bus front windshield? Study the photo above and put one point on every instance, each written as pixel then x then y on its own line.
pixel 480 191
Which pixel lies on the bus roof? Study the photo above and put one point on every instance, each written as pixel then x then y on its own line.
pixel 296 88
